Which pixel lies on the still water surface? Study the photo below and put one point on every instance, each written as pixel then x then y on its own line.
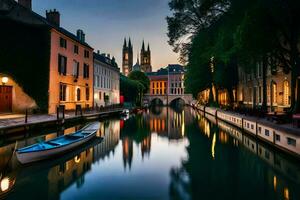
pixel 159 154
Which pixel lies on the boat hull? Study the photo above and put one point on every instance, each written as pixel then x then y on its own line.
pixel 30 157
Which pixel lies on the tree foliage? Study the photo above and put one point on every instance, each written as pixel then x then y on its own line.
pixel 235 33
pixel 140 77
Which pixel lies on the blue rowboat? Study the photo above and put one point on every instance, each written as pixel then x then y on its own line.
pixel 57 146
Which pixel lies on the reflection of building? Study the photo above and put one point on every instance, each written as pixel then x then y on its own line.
pixel 146 146
pixel 62 176
pixel 61 61
pixel 127 145
pixel 106 80
pixel 169 123
pixel 111 136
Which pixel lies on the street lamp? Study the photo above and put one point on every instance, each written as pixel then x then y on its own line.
pixel 4 80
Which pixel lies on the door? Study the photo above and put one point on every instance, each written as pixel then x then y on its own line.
pixel 5 99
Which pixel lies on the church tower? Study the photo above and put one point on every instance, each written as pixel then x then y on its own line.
pixel 146 59
pixel 127 57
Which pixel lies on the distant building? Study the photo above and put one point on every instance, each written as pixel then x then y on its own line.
pixel 43 65
pixel 127 59
pixel 159 81
pixel 167 86
pixel 106 80
pixel 146 59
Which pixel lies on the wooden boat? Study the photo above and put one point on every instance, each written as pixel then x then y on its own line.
pixel 57 146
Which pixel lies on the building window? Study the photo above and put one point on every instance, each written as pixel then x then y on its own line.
pixel 277 137
pixel 75 49
pixel 87 94
pixel 62 65
pixel 100 95
pixel 86 71
pixel 291 141
pixel 75 69
pixel 286 93
pixel 62 92
pixel 267 132
pixel 78 94
pixel 63 43
pixel 86 54
pixel 259 130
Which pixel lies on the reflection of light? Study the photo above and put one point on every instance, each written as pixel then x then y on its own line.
pixel 183 124
pixel 213 146
pixel 286 194
pixel 275 182
pixel 4 184
pixel 77 159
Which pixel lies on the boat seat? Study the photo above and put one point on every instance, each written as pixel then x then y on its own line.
pixel 52 143
pixel 85 132
pixel 74 136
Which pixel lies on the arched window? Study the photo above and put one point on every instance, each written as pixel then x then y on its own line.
pixel 78 94
pixel 286 93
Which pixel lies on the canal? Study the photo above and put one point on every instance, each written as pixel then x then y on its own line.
pixel 162 153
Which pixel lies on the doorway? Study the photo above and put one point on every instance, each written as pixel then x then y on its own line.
pixel 5 99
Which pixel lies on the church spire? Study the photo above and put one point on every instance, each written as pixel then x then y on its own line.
pixel 148 47
pixel 143 46
pixel 129 43
pixel 137 58
pixel 125 43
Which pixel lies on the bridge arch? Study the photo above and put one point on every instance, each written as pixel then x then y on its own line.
pixel 177 101
pixel 157 101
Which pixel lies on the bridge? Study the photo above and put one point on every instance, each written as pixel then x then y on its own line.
pixel 167 99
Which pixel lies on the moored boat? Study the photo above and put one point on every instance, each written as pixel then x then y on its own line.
pixel 57 146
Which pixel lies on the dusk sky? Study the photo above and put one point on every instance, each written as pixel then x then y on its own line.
pixel 107 22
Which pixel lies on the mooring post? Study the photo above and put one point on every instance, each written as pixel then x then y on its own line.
pixel 26 116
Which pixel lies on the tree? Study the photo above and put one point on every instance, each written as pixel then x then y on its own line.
pixel 189 17
pixel 130 89
pixel 142 78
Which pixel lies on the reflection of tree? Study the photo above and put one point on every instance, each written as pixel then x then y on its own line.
pixel 156 110
pixel 233 172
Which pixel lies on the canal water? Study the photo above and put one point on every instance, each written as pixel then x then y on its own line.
pixel 162 153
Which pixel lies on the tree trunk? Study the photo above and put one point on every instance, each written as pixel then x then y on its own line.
pixel 295 87
pixel 264 79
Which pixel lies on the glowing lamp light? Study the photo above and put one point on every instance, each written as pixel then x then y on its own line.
pixel 4 184
pixel 4 80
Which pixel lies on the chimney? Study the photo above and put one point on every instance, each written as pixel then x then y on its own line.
pixel 81 35
pixel 98 52
pixel 25 3
pixel 53 17
pixel 108 55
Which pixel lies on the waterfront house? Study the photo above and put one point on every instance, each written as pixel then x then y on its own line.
pixel 278 81
pixel 42 65
pixel 106 80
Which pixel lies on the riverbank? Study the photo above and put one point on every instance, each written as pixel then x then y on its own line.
pixel 283 137
pixel 19 124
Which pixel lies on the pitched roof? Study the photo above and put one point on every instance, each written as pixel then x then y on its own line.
pixel 172 68
pixel 106 60
pixel 10 7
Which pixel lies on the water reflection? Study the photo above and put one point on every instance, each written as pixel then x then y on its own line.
pixel 240 167
pixel 158 154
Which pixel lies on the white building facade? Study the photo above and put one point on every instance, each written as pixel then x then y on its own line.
pixel 106 81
